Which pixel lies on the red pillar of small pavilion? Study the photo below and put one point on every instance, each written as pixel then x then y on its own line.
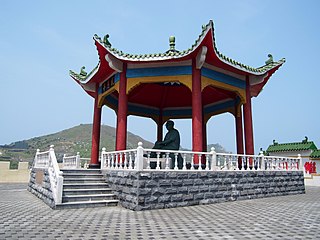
pixel 121 138
pixel 96 126
pixel 197 117
pixel 248 128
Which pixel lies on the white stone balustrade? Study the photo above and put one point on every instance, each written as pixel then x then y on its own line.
pixel 75 162
pixel 71 162
pixel 47 160
pixel 159 160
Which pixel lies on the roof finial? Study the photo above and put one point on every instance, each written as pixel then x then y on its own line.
pixel 172 42
pixel 305 139
pixel 83 73
pixel 270 59
pixel 106 41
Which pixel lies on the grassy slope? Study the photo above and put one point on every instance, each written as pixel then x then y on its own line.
pixel 71 141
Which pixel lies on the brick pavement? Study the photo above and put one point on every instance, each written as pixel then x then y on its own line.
pixel 23 216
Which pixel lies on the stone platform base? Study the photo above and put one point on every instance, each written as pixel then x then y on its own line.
pixel 142 190
pixel 40 186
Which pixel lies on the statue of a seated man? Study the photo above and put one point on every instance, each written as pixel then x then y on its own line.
pixel 171 142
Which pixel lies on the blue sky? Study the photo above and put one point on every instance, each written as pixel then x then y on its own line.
pixel 42 40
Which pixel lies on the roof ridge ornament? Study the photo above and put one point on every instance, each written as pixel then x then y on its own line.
pixel 305 140
pixel 83 73
pixel 172 44
pixel 270 59
pixel 106 41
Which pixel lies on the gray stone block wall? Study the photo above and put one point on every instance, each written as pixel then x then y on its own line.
pixel 159 189
pixel 40 186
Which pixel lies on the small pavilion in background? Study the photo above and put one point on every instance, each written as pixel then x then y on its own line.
pixel 196 83
pixel 307 149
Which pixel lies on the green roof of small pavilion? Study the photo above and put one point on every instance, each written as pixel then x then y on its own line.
pixel 295 146
pixel 315 154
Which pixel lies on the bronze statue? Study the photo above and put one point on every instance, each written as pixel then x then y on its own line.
pixel 171 142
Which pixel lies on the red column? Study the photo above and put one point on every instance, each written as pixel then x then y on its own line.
pixel 239 131
pixel 248 128
pixel 94 162
pixel 121 138
pixel 160 128
pixel 197 121
pixel 204 134
pixel 239 134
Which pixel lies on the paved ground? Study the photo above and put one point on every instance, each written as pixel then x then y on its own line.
pixel 23 216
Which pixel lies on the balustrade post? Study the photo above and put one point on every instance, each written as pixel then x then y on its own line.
pixel 103 158
pixel 184 162
pixel 237 163
pixel 213 159
pixel 262 165
pixel 125 161
pixel 130 161
pixel 36 159
pixel 192 162
pixel 207 162
pixel 225 163
pixel 59 187
pixel 167 161
pixel 148 160
pixel 139 159
pixel 158 161
pixel 176 161
pixel 300 163
pixel 230 163
pixel 200 162
pixel 78 163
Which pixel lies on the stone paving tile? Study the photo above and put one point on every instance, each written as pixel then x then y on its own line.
pixel 23 216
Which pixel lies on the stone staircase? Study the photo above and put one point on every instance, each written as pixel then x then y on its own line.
pixel 85 188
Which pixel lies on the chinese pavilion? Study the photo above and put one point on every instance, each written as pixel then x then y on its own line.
pixel 196 83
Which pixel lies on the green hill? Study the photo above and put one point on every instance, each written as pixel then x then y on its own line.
pixel 71 141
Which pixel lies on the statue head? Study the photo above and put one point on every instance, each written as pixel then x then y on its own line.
pixel 169 125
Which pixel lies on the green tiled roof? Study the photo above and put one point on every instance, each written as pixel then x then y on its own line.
pixel 315 154
pixel 296 146
pixel 171 54
pixel 174 54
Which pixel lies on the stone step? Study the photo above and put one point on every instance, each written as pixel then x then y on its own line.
pixel 82 171
pixel 87 204
pixel 83 180
pixel 85 186
pixel 88 197
pixel 82 175
pixel 69 192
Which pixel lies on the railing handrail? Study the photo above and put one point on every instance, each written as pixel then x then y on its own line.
pixel 49 161
pixel 120 160
pixel 69 157
pixel 206 153
pixel 120 151
pixel 175 151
